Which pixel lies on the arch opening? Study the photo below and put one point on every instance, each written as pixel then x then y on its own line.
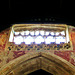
pixel 38 60
pixel 37 72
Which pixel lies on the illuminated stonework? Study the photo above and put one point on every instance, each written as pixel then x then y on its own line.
pixel 49 54
pixel 39 36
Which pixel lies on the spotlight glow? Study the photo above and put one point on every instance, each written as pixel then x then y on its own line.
pixel 18 39
pixel 39 39
pixel 36 32
pixel 28 40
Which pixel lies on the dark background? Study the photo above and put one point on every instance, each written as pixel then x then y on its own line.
pixel 28 11
pixel 40 72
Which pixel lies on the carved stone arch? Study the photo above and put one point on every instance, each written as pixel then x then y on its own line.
pixel 38 60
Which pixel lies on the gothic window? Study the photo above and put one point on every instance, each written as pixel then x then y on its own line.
pixel 39 34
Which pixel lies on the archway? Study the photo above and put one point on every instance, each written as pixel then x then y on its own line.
pixel 38 60
pixel 40 72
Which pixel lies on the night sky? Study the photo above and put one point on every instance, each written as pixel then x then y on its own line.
pixel 22 11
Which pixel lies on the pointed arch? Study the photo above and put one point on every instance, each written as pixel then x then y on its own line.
pixel 38 60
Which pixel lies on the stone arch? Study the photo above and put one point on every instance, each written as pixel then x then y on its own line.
pixel 38 60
